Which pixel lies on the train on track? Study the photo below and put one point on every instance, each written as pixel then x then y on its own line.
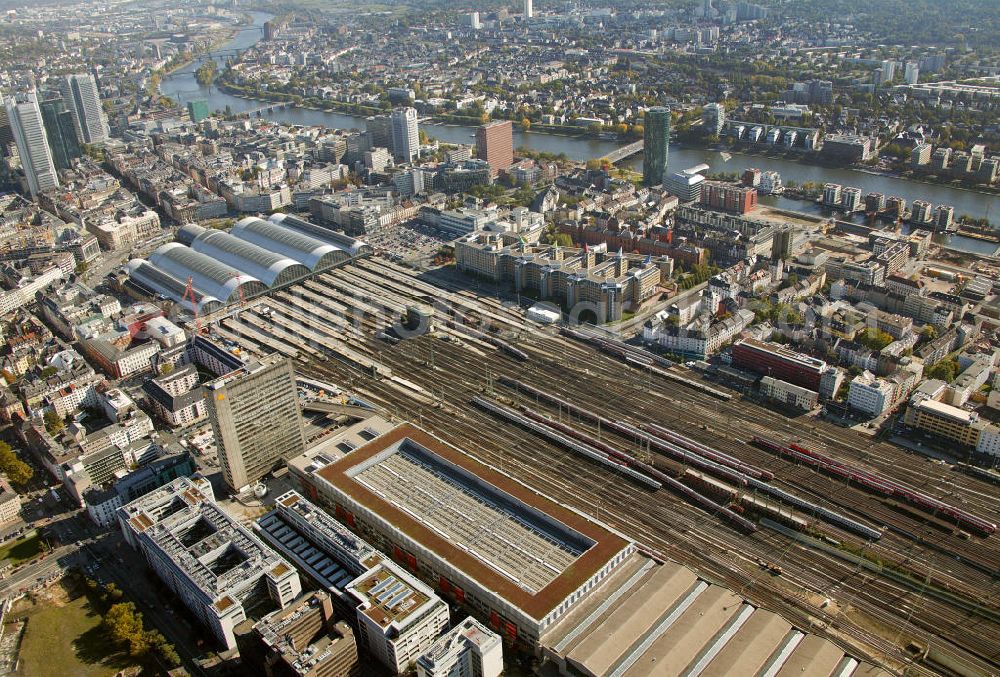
pixel 878 484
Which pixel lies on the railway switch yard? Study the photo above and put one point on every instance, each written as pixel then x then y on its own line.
pixel 858 540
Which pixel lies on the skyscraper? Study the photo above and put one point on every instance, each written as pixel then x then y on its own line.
pixel 84 101
pixel 656 145
pixel 32 145
pixel 197 110
pixel 379 128
pixel 528 10
pixel 714 118
pixel 405 134
pixel 781 244
pixel 256 418
pixel 495 144
pixel 61 132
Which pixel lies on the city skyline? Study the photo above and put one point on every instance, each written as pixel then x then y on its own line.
pixel 516 338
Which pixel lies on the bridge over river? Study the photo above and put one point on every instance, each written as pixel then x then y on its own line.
pixel 624 152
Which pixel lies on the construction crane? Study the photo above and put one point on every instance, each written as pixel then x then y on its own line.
pixel 239 289
pixel 190 296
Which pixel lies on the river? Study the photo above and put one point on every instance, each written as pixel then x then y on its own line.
pixel 182 87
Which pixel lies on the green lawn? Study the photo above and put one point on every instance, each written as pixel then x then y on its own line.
pixel 67 640
pixel 21 550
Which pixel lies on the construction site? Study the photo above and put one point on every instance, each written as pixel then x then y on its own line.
pixel 887 554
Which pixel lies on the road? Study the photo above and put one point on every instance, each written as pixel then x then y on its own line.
pixel 27 577
pixel 105 557
pixel 113 561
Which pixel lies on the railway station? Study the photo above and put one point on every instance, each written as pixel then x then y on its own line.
pixel 664 457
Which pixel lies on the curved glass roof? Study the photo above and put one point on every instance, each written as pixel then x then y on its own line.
pixel 267 266
pixel 159 282
pixel 349 244
pixel 187 233
pixel 209 276
pixel 312 253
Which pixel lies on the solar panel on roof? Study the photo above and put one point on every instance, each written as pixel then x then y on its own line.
pixel 397 599
pixel 389 592
pixel 387 581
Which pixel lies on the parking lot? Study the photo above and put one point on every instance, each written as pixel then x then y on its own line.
pixel 410 241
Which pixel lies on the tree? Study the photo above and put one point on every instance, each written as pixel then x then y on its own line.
pixel 53 424
pixel 16 470
pixel 206 72
pixel 563 240
pixel 874 339
pixel 525 124
pixel 945 370
pixel 124 625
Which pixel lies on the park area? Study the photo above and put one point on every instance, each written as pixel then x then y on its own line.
pixel 21 550
pixel 63 635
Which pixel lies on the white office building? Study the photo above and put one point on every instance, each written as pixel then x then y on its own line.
pixel 32 144
pixel 528 9
pixel 789 393
pixel 213 564
pixel 83 100
pixel 398 616
pixel 832 194
pixel 870 395
pixel 405 134
pixel 469 649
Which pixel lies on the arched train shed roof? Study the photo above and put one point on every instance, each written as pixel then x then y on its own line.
pixel 155 280
pixel 208 276
pixel 310 252
pixel 267 266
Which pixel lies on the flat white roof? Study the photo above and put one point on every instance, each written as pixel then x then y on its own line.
pixel 943 409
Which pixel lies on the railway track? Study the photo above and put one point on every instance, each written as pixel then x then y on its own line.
pixel 577 372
